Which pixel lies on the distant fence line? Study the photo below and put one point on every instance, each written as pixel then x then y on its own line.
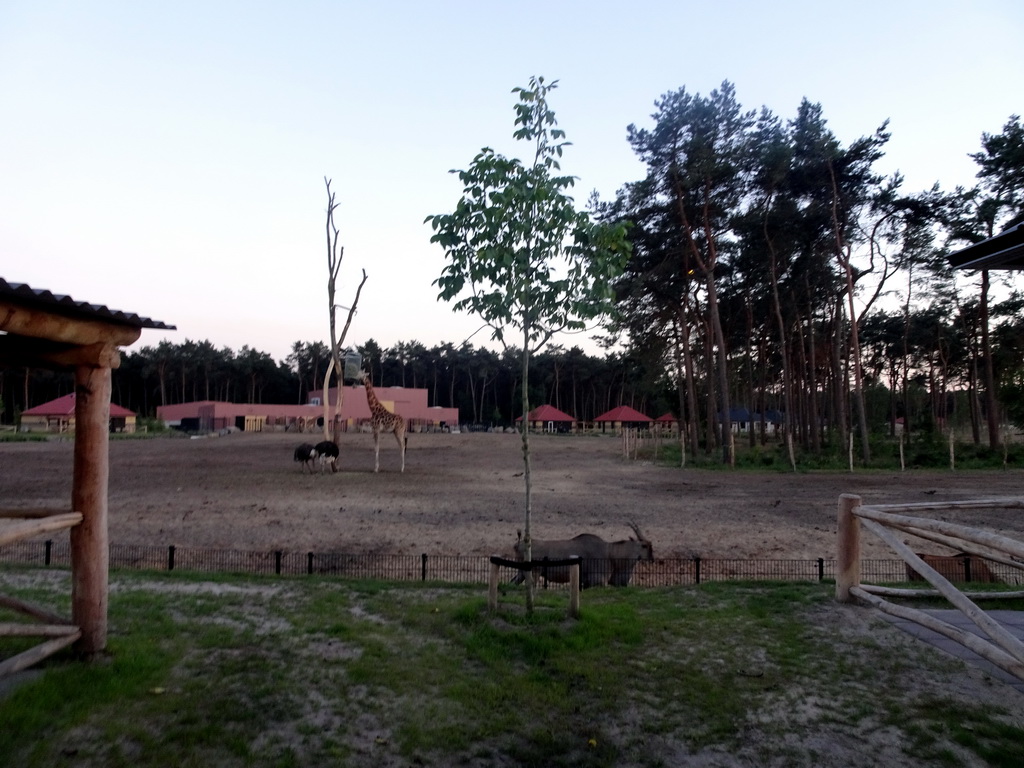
pixel 472 569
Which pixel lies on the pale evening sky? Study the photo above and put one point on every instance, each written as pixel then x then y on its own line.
pixel 168 158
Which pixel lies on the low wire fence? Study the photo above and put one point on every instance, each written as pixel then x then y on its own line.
pixel 471 569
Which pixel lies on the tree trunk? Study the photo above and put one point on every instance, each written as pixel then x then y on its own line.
pixel 527 535
pixel 991 404
pixel 723 373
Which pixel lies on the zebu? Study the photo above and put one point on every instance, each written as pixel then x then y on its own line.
pixel 603 562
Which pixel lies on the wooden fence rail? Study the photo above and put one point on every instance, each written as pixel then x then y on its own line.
pixel 1001 648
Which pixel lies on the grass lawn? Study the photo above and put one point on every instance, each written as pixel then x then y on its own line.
pixel 278 671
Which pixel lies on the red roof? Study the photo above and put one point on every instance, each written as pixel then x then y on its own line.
pixel 65 406
pixel 666 417
pixel 547 413
pixel 623 413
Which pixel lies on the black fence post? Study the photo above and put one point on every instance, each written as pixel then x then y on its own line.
pixel 821 569
pixel 48 550
pixel 423 567
pixel 967 569
pixel 170 558
pixel 309 563
pixel 277 562
pixel 544 572
pixel 696 570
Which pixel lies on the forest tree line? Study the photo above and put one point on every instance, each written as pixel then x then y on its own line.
pixel 481 383
pixel 772 268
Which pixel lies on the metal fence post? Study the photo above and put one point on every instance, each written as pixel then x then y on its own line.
pixel 821 569
pixel 309 563
pixel 967 569
pixel 423 567
pixel 696 569
pixel 277 562
pixel 49 549
pixel 170 558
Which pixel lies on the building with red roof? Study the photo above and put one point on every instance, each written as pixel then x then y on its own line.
pixel 549 419
pixel 667 421
pixel 213 416
pixel 59 416
pixel 623 417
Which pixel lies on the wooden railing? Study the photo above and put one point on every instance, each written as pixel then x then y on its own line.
pixel 1001 648
pixel 59 632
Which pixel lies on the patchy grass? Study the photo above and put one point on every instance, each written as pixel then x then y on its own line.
pixel 270 671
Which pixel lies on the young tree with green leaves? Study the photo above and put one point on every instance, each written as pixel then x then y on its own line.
pixel 520 256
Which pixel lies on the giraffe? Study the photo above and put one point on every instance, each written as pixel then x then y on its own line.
pixel 382 420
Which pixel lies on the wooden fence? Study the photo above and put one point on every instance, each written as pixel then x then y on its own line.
pixel 1001 648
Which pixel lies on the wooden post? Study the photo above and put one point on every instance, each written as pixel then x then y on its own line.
pixel 89 539
pixel 492 588
pixel 574 588
pixel 847 548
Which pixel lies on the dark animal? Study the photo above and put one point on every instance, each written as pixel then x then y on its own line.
pixel 327 450
pixel 603 562
pixel 960 568
pixel 306 453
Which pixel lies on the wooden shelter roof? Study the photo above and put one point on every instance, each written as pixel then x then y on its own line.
pixel 1004 251
pixel 623 413
pixel 42 329
pixel 546 413
pixel 65 406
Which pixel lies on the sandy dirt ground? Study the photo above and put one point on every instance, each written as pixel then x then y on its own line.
pixel 464 494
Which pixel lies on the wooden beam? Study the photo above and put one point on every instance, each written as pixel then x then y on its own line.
pixel 29 513
pixel 996 631
pixel 40 614
pixel 36 654
pixel 985 649
pixel 43 353
pixel 22 530
pixel 984 538
pixel 89 540
pixel 24 321
pixel 11 629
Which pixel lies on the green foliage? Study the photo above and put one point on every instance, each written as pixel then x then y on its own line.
pixel 23 437
pixel 519 254
pixel 926 451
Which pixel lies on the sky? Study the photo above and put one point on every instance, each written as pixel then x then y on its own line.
pixel 168 159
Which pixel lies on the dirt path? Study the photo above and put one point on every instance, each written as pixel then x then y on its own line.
pixel 464 494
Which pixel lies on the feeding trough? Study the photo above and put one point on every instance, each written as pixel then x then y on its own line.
pixel 353 365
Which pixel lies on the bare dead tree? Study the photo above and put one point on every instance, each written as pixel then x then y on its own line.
pixel 335 254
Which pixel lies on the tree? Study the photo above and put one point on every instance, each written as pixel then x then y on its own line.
pixel 997 203
pixel 695 158
pixel 519 254
pixel 335 254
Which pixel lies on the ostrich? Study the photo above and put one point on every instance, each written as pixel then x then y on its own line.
pixel 327 451
pixel 307 454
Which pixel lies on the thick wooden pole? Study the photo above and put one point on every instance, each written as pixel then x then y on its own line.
pixel 847 548
pixel 89 539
